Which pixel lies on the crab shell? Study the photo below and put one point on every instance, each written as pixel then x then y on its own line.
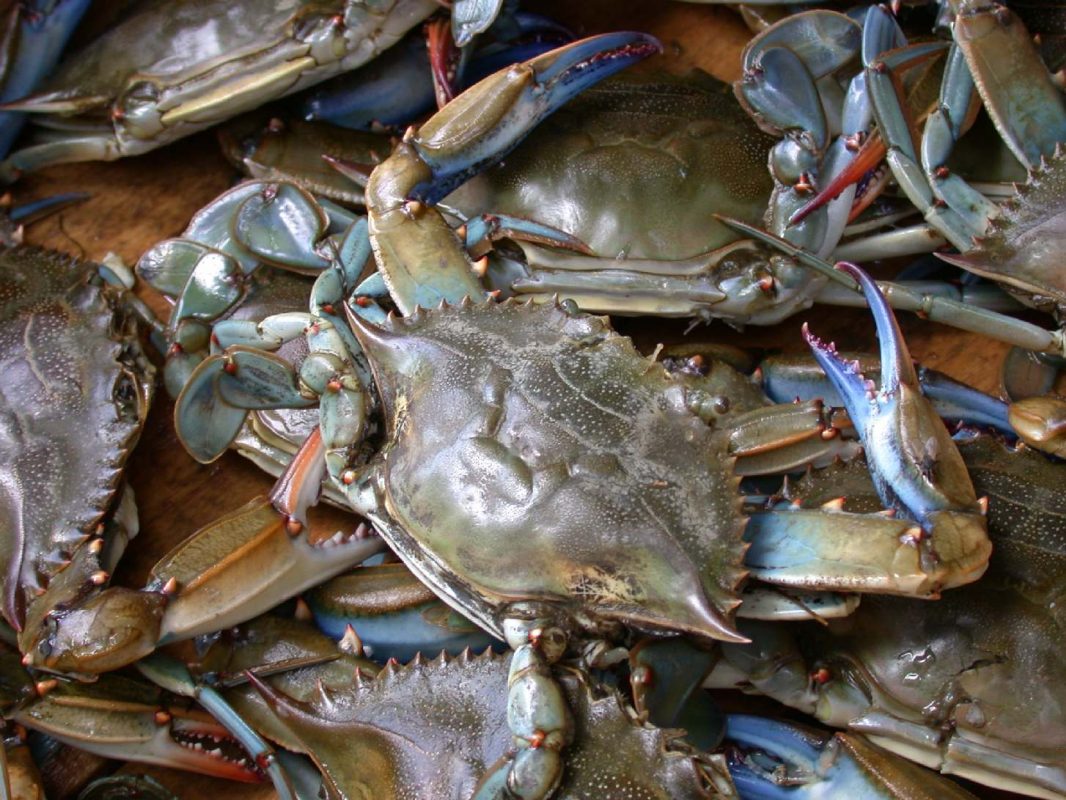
pixel 432 728
pixel 75 395
pixel 636 166
pixel 535 455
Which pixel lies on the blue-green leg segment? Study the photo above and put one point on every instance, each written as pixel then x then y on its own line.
pixel 537 713
pixel 930 306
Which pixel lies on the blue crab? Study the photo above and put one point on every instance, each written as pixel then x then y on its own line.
pixel 71 359
pixel 538 421
pixel 170 70
pixel 970 685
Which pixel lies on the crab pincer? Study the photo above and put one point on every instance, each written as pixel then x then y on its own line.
pixel 915 465
pixel 476 129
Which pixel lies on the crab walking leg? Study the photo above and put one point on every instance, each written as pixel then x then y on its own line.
pixel 931 306
pixel 993 56
pixel 537 714
pixel 787 85
pixel 420 257
pixel 773 440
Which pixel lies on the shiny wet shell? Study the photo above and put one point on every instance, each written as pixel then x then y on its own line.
pixel 534 454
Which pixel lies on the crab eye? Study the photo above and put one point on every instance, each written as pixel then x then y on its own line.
pixel 137 111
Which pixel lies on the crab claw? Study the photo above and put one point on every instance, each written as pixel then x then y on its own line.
pixel 117 717
pixel 490 118
pixel 418 254
pixel 914 463
pixel 260 555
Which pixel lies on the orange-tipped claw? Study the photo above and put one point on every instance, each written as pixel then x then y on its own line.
pixel 870 154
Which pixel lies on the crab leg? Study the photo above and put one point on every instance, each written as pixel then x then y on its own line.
pixel 417 252
pixel 938 309
pixel 993 56
pixel 789 71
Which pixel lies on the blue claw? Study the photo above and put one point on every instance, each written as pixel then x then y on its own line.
pixel 914 464
pixel 42 28
pixel 488 120
pixel 864 404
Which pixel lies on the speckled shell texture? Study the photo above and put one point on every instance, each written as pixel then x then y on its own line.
pixel 74 393
pixel 433 729
pixel 534 454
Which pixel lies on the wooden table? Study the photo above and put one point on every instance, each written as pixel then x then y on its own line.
pixel 136 202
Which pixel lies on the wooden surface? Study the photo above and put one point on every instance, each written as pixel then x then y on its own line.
pixel 139 201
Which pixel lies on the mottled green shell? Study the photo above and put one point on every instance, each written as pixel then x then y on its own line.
pixel 1024 245
pixel 434 729
pixel 534 454
pixel 636 167
pixel 72 401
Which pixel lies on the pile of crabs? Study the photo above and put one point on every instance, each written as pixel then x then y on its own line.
pixel 559 543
